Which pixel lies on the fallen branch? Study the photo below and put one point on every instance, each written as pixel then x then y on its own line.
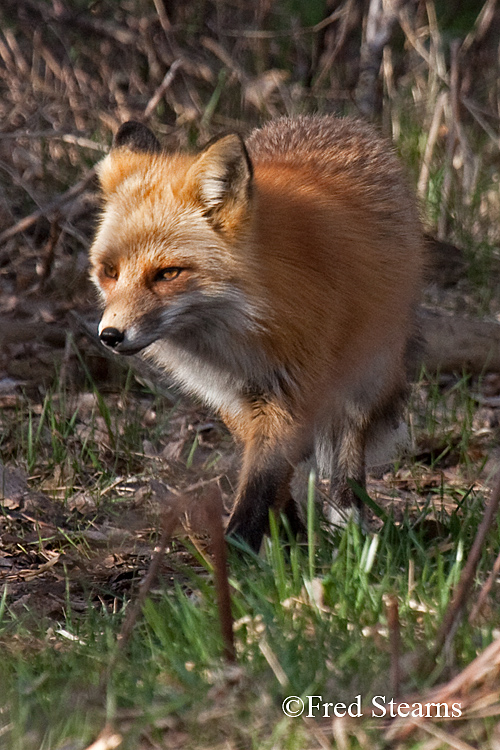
pixel 454 343
pixel 35 135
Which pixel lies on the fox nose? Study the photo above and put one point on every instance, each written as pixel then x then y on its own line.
pixel 111 337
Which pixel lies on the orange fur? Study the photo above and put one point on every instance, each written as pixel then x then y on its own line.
pixel 294 265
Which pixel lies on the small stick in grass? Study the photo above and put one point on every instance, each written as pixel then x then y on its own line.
pixel 455 609
pixel 170 520
pixel 487 586
pixel 392 610
pixel 213 508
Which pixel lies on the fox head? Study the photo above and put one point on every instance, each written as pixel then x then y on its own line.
pixel 166 257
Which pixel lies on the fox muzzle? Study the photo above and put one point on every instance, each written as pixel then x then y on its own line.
pixel 123 341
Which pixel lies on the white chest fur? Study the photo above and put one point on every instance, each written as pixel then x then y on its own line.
pixel 216 387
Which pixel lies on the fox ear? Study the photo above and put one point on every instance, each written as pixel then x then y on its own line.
pixel 136 137
pixel 221 180
pixel 131 144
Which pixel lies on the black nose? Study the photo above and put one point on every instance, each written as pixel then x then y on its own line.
pixel 111 337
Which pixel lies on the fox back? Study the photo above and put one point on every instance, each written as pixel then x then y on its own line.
pixel 276 279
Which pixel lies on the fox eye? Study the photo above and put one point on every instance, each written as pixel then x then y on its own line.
pixel 167 274
pixel 110 271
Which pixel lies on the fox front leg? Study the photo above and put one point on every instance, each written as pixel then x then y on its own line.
pixel 261 489
pixel 270 453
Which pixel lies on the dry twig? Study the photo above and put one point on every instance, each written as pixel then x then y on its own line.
pixel 483 594
pixel 54 205
pixel 474 684
pixel 392 610
pixel 214 508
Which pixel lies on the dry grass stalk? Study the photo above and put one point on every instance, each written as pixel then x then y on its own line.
pixel 347 20
pixel 380 23
pixel 454 743
pixel 469 163
pixel 481 26
pixel 437 46
pixel 483 594
pixel 170 520
pixel 214 508
pixel 477 685
pixel 423 180
pixel 451 144
pixel 162 89
pixel 455 609
pixel 392 610
pixel 57 203
pixel 476 113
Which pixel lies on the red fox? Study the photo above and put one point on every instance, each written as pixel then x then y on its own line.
pixel 275 279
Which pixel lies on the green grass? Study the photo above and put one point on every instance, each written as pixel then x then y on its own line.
pixel 82 437
pixel 173 668
pixel 310 620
